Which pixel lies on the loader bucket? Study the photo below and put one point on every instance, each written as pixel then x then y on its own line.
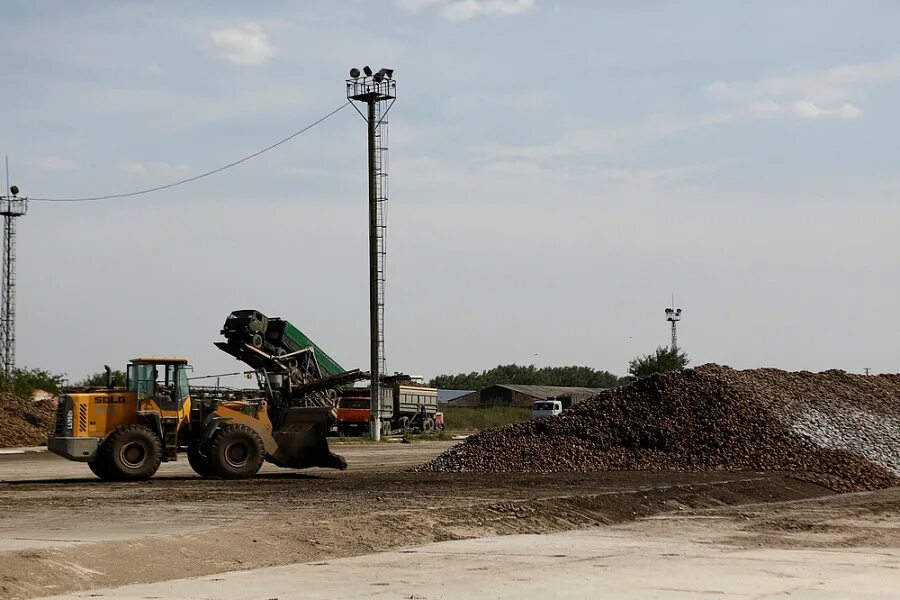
pixel 302 440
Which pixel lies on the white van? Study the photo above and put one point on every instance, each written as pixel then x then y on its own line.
pixel 545 408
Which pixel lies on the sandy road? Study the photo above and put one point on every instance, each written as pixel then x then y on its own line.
pixel 45 466
pixel 63 531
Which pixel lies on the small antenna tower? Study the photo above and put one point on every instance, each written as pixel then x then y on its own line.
pixel 673 315
pixel 11 207
pixel 377 91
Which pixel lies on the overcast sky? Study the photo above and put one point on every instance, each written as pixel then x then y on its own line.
pixel 558 170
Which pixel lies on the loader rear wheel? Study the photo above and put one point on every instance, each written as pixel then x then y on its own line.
pixel 200 463
pixel 236 452
pixel 130 453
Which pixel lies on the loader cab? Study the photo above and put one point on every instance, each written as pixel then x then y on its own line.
pixel 162 381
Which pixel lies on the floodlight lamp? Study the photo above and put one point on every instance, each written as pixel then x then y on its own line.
pixel 389 73
pixel 354 72
pixel 668 311
pixel 15 190
pixel 367 71
pixel 678 312
pixel 378 77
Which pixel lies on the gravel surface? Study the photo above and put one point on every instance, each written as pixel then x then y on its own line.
pixel 25 422
pixel 837 429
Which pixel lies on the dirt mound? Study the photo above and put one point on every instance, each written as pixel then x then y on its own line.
pixel 841 430
pixel 25 422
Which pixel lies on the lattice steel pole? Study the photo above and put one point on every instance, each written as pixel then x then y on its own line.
pixel 673 315
pixel 11 207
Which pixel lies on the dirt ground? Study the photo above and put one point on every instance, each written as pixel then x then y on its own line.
pixel 62 530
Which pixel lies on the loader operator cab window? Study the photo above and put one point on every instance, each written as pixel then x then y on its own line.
pixel 142 379
pixel 167 384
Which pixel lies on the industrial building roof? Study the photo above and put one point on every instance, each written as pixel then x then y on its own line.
pixel 445 396
pixel 549 391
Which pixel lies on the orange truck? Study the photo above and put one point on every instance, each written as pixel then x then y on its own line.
pixel 353 413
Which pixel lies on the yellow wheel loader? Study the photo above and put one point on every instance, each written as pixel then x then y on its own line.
pixel 124 434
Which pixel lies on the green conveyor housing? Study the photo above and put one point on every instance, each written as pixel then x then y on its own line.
pixel 281 333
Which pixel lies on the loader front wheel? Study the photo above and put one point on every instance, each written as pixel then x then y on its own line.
pixel 99 468
pixel 130 453
pixel 236 452
pixel 200 463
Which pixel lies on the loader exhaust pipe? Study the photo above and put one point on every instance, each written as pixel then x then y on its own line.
pixel 109 377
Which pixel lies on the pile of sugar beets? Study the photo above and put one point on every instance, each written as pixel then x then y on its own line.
pixel 834 428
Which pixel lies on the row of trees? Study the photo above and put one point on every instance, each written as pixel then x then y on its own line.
pixel 527 375
pixel 664 359
pixel 24 382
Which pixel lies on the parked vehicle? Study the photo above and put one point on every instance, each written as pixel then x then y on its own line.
pixel 353 413
pixel 409 408
pixel 543 409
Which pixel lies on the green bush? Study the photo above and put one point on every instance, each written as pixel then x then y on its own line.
pixel 99 379
pixel 23 382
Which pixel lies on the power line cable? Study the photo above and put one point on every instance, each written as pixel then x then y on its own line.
pixel 195 177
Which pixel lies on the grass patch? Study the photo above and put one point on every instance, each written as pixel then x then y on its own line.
pixel 464 418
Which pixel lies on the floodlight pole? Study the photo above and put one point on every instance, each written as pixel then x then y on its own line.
pixel 374 333
pixel 374 91
pixel 12 206
pixel 673 315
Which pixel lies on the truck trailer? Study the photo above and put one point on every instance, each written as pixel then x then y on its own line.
pixel 405 407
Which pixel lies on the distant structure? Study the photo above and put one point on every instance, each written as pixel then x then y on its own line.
pixel 523 396
pixel 377 90
pixel 12 206
pixel 673 315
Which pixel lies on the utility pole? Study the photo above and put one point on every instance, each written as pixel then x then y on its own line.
pixel 11 207
pixel 378 92
pixel 673 315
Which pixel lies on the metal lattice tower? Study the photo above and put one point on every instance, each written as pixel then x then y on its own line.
pixel 11 207
pixel 673 315
pixel 377 91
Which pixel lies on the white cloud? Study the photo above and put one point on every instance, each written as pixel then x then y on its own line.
pixel 463 10
pixel 804 94
pixel 765 106
pixel 415 5
pixel 51 163
pixel 307 172
pixel 155 168
pixel 591 141
pixel 810 110
pixel 245 45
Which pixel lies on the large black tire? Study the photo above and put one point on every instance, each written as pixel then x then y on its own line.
pixel 428 425
pixel 236 452
pixel 200 463
pixel 130 453
pixel 99 467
